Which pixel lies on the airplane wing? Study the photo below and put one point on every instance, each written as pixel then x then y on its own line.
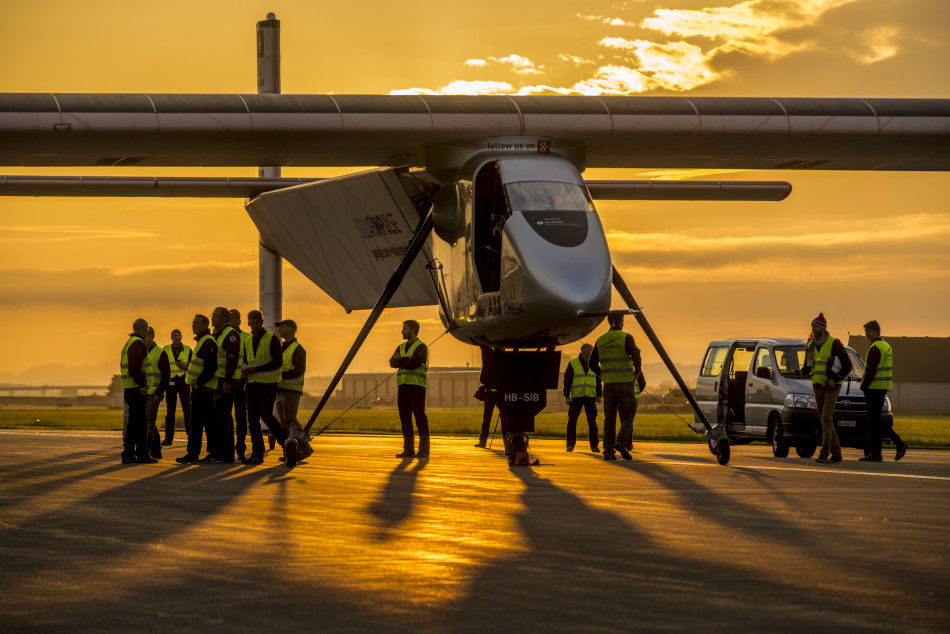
pixel 316 130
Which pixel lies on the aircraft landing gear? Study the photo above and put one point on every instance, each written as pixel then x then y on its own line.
pixel 522 379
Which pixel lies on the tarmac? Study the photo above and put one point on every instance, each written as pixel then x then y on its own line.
pixel 356 540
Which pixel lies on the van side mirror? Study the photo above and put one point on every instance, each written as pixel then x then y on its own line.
pixel 764 373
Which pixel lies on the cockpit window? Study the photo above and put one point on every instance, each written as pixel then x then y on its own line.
pixel 548 195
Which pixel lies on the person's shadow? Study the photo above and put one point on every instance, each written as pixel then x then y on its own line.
pixel 395 502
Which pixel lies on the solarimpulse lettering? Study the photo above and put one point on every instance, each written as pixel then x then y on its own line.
pixel 377 226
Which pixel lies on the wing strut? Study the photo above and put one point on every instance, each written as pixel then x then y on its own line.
pixel 419 237
pixel 718 441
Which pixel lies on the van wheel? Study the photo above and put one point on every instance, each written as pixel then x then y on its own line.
pixel 777 434
pixel 805 451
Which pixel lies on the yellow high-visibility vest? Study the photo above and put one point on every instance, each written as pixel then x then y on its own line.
pixel 820 358
pixel 223 356
pixel 290 384
pixel 416 376
pixel 153 376
pixel 127 380
pixel 584 383
pixel 174 371
pixel 259 357
pixel 884 375
pixel 616 366
pixel 197 364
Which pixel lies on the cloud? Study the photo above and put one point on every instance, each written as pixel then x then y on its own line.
pixel 63 233
pixel 682 49
pixel 461 87
pixel 521 65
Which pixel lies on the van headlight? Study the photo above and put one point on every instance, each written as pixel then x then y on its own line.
pixel 886 408
pixel 800 401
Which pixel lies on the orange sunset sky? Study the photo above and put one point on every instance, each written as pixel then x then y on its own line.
pixel 76 272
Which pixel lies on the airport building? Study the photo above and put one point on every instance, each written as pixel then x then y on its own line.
pixel 921 372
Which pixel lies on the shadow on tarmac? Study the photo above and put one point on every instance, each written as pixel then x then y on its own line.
pixel 395 502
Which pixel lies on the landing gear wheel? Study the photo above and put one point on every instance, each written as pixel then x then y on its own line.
pixel 290 452
pixel 805 451
pixel 724 453
pixel 779 448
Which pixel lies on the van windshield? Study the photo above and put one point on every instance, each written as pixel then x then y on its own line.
pixel 790 359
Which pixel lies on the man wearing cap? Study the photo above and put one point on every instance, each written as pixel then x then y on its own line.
pixel 616 360
pixel 828 363
pixel 228 371
pixel 239 387
pixel 582 389
pixel 263 373
pixel 156 379
pixel 878 379
pixel 134 391
pixel 293 366
pixel 200 375
pixel 179 355
pixel 411 359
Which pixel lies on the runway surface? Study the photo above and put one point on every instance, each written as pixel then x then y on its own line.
pixel 356 540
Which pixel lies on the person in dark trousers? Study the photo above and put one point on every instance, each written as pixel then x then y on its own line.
pixel 156 376
pixel 616 360
pixel 179 355
pixel 828 364
pixel 878 379
pixel 239 388
pixel 263 372
pixel 134 391
pixel 489 396
pixel 229 348
pixel 293 367
pixel 582 390
pixel 200 375
pixel 411 359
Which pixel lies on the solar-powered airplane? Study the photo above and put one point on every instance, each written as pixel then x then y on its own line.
pixel 476 204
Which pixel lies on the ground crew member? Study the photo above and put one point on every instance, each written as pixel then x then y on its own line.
pixel 200 375
pixel 489 397
pixel 156 379
pixel 263 373
pixel 179 355
pixel 878 379
pixel 616 359
pixel 412 360
pixel 582 389
pixel 239 388
pixel 229 349
pixel 134 390
pixel 828 363
pixel 293 366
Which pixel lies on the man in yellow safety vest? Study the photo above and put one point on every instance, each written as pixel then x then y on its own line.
pixel 582 390
pixel 411 358
pixel 179 356
pixel 201 376
pixel 878 379
pixel 616 359
pixel 263 373
pixel 156 379
pixel 134 391
pixel 293 366
pixel 828 364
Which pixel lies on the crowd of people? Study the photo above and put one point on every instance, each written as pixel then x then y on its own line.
pixel 258 377
pixel 227 383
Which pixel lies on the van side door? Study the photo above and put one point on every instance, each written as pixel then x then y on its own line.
pixel 707 384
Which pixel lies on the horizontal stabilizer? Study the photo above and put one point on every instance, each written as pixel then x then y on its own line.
pixel 347 235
